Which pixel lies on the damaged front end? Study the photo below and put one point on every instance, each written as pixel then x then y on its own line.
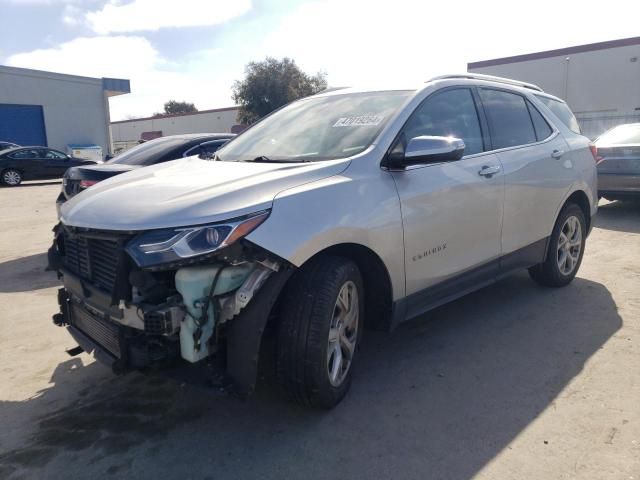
pixel 163 299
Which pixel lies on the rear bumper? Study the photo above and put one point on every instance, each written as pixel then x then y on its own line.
pixel 618 184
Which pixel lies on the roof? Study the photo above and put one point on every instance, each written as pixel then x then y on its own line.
pixel 112 86
pixel 173 115
pixel 591 47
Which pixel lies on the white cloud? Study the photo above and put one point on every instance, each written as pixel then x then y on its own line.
pixel 359 42
pixel 154 80
pixel 151 15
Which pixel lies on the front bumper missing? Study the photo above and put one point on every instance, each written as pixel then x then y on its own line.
pixel 124 349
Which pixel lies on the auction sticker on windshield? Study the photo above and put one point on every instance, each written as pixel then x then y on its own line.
pixel 359 121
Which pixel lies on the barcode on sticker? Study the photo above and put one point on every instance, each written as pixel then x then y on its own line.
pixel 359 121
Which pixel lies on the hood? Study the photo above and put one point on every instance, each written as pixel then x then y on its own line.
pixel 188 191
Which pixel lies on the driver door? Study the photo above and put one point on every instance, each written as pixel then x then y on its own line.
pixel 451 211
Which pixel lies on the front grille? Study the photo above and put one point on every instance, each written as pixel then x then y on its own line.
pixel 93 259
pixel 103 332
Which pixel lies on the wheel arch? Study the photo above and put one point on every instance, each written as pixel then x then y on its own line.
pixel 11 167
pixel 580 198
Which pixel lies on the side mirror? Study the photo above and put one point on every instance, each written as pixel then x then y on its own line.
pixel 427 149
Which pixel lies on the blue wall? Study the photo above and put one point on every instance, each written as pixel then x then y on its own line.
pixel 22 124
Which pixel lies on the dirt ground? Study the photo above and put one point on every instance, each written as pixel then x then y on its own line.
pixel 512 382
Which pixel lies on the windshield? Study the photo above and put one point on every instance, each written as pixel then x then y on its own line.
pixel 318 128
pixel 621 135
pixel 149 152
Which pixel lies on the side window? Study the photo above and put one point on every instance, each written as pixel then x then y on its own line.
pixel 540 125
pixel 509 120
pixel 23 154
pixel 449 113
pixel 52 154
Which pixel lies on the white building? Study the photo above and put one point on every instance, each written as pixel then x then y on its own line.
pixel 126 133
pixel 599 81
pixel 56 110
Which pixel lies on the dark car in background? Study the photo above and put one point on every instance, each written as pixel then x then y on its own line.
pixel 35 163
pixel 159 150
pixel 7 145
pixel 619 162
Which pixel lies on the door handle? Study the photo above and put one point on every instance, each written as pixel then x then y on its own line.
pixel 489 171
pixel 557 154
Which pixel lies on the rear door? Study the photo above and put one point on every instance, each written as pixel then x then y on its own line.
pixel 451 211
pixel 54 163
pixel 538 170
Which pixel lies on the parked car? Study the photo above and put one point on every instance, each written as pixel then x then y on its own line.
pixel 154 151
pixel 7 145
pixel 346 210
pixel 34 163
pixel 619 162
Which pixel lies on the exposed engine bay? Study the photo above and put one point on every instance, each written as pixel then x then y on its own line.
pixel 212 309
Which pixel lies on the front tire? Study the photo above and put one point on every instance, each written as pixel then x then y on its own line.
pixel 565 251
pixel 11 177
pixel 319 331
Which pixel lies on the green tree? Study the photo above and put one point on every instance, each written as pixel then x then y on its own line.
pixel 270 84
pixel 173 107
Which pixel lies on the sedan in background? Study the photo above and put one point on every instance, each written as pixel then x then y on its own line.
pixel 619 162
pixel 7 145
pixel 159 150
pixel 35 163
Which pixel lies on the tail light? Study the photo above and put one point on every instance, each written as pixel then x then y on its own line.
pixel 87 183
pixel 594 151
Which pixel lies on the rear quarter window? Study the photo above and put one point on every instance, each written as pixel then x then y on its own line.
pixel 562 111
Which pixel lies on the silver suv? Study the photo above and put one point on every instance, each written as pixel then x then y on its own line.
pixel 343 211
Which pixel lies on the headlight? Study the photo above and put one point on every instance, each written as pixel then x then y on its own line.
pixel 171 245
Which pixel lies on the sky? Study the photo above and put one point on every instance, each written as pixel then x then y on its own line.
pixel 193 50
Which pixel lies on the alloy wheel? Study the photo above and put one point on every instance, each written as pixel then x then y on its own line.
pixel 11 177
pixel 343 333
pixel 569 245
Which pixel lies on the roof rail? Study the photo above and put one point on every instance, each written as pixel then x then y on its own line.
pixel 489 78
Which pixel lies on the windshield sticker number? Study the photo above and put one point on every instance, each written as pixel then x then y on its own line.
pixel 359 121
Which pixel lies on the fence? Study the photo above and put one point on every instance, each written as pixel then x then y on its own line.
pixel 594 126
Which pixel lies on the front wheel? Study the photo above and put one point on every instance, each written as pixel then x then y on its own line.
pixel 11 177
pixel 565 251
pixel 319 331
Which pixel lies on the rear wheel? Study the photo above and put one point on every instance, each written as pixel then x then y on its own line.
pixel 319 331
pixel 11 177
pixel 565 251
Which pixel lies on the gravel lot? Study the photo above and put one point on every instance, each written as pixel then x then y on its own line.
pixel 512 382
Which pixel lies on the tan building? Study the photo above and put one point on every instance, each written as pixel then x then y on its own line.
pixel 599 81
pixel 126 133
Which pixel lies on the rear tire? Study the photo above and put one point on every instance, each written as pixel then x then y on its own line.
pixel 319 331
pixel 11 177
pixel 565 250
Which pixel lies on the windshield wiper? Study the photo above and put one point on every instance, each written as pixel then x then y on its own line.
pixel 265 159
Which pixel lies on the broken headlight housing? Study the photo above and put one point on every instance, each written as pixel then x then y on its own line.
pixel 157 247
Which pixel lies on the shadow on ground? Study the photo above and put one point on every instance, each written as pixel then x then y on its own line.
pixel 439 398
pixel 621 216
pixel 26 274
